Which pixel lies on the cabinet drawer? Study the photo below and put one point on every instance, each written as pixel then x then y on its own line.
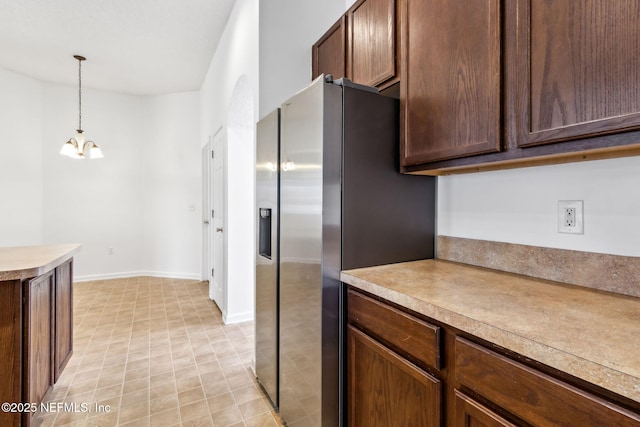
pixel 406 334
pixel 531 395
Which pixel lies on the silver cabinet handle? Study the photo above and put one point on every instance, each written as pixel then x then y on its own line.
pixel 219 229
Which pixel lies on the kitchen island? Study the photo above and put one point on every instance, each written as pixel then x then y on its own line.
pixel 501 337
pixel 36 324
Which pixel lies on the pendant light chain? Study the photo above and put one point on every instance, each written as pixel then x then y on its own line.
pixel 81 147
pixel 79 95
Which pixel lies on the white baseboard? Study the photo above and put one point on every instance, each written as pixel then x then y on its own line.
pixel 128 274
pixel 247 316
pixel 300 260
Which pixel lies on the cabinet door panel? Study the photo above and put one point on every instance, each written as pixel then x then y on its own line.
pixel 10 348
pixel 450 87
pixel 372 28
pixel 470 413
pixel 38 338
pixel 578 69
pixel 64 317
pixel 385 390
pixel 329 53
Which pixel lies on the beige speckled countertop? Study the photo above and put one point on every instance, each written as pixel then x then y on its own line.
pixel 17 263
pixel 590 334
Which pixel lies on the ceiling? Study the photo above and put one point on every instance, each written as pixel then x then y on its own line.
pixel 141 47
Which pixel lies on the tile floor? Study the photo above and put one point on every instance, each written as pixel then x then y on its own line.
pixel 156 352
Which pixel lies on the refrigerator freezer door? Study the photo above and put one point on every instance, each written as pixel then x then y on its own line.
pixel 267 299
pixel 300 257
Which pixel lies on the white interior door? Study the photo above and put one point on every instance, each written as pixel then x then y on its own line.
pixel 207 258
pixel 218 288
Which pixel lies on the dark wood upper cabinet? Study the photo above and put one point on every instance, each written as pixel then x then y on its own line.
pixel 490 84
pixel 361 45
pixel 570 87
pixel 329 53
pixel 578 69
pixel 371 46
pixel 450 87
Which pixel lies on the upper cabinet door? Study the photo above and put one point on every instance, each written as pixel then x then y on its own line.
pixel 372 46
pixel 578 69
pixel 329 53
pixel 450 84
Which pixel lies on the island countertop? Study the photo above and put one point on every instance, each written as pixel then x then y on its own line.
pixel 592 335
pixel 22 262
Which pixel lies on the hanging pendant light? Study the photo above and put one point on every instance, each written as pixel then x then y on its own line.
pixel 77 147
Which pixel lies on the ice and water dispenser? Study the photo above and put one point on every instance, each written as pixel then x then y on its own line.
pixel 264 241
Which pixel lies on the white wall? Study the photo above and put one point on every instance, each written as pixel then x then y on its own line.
pixel 21 196
pixel 235 64
pixel 236 55
pixel 288 29
pixel 95 202
pixel 135 200
pixel 520 205
pixel 171 186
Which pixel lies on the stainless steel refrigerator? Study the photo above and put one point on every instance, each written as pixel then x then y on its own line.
pixel 329 197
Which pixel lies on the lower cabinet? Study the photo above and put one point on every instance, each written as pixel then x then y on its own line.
pixel 451 378
pixel 389 353
pixel 36 338
pixel 386 389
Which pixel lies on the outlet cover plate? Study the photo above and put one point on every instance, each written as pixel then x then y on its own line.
pixel 573 206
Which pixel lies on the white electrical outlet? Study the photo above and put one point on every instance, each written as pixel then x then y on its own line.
pixel 570 217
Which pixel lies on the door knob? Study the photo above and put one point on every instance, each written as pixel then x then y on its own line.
pixel 219 229
pixel 206 222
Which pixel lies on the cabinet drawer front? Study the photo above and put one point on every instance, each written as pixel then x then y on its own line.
pixel 408 335
pixel 531 395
